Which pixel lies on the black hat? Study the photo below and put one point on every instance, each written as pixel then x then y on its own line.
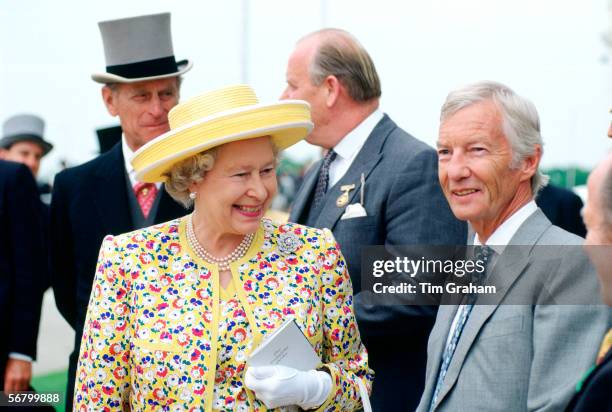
pixel 108 137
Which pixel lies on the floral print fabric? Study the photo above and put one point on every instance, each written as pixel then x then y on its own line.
pixel 159 336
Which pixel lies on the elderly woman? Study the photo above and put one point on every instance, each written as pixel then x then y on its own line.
pixel 177 308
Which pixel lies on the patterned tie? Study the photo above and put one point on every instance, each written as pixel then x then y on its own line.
pixel 145 194
pixel 323 181
pixel 483 254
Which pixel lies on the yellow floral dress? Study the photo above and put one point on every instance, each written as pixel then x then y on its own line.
pixel 161 334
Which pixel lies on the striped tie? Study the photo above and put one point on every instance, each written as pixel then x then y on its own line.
pixel 484 253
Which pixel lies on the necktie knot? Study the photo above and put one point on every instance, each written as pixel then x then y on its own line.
pixel 482 254
pixel 145 195
pixel 329 157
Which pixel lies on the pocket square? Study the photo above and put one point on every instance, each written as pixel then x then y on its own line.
pixel 354 210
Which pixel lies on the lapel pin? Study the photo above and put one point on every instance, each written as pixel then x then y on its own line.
pixel 343 199
pixel 356 209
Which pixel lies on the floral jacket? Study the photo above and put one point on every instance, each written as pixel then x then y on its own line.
pixel 152 333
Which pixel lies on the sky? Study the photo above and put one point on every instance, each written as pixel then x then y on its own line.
pixel 550 51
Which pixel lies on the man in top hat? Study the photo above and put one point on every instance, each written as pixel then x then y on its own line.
pixel 23 142
pixel 102 196
pixel 402 203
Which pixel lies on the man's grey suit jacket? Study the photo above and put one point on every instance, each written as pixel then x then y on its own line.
pixel 522 357
pixel 404 205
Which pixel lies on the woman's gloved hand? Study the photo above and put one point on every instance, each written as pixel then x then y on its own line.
pixel 283 386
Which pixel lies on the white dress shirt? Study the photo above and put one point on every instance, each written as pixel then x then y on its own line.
pixel 350 145
pixel 498 241
pixel 127 155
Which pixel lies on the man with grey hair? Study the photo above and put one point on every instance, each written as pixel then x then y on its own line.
pixel 100 197
pixel 376 186
pixel 521 352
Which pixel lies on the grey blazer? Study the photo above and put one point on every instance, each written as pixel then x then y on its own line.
pixel 521 357
pixel 404 205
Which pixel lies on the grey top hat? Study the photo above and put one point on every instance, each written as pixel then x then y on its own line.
pixel 24 128
pixel 138 49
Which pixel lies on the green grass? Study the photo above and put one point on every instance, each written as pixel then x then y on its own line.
pixel 52 382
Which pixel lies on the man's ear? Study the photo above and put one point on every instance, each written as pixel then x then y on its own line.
pixel 332 87
pixel 530 163
pixel 109 98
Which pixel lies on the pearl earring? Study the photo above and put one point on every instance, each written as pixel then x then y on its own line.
pixel 193 195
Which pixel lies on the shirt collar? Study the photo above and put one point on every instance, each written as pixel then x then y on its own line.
pixel 504 233
pixel 127 155
pixel 354 140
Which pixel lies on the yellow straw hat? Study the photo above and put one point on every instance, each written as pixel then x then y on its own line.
pixel 217 117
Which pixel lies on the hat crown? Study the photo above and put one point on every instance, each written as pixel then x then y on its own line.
pixel 139 49
pixel 24 124
pixel 136 39
pixel 211 103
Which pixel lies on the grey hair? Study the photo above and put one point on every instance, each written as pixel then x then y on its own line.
pixel 521 123
pixel 341 55
pixel 192 170
pixel 188 171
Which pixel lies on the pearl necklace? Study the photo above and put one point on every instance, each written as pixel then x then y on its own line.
pixel 224 262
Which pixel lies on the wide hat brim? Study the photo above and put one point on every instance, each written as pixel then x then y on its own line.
pixel 286 122
pixel 8 141
pixel 183 67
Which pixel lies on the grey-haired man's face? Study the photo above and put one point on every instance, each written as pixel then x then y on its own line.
pixel 142 108
pixel 475 167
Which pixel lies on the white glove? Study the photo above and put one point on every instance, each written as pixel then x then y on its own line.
pixel 283 386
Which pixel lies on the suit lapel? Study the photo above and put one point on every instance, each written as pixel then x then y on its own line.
pixel 506 271
pixel 366 160
pixel 109 192
pixel 301 200
pixel 331 213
